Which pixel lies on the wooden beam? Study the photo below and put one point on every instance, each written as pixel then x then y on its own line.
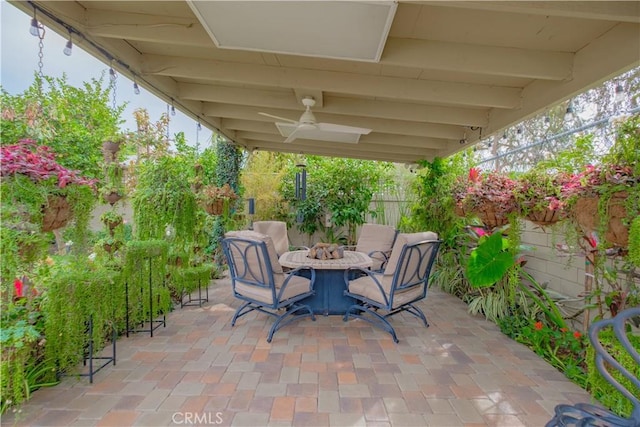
pixel 622 11
pixel 492 60
pixel 285 99
pixel 439 92
pixel 384 141
pixel 401 127
pixel 322 148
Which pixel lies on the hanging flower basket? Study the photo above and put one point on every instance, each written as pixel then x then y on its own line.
pixel 491 216
pixel 544 218
pixel 215 207
pixel 110 150
pixel 216 200
pixel 57 213
pixel 586 214
pixel 112 198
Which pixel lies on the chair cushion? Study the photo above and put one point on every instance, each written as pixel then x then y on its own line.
pixel 277 230
pixel 259 237
pixel 375 237
pixel 404 239
pixel 366 287
pixel 297 285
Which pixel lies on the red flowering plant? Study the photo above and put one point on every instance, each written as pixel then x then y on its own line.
pixel 561 347
pixel 489 196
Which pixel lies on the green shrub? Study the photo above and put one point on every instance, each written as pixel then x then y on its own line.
pixel 600 388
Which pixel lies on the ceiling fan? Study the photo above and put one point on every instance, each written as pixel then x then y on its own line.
pixel 307 127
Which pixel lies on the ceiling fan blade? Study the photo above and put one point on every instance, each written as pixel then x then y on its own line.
pixel 278 117
pixel 332 127
pixel 292 135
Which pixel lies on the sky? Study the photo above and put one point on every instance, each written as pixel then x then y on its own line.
pixel 19 62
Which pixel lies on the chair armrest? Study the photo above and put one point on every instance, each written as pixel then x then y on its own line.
pixel 294 272
pixel 374 276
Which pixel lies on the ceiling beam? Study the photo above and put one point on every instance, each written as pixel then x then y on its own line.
pixel 395 142
pixel 607 56
pixel 335 104
pixel 322 148
pixel 411 53
pixel 401 127
pixel 622 11
pixel 439 92
pixel 147 28
pixel 492 60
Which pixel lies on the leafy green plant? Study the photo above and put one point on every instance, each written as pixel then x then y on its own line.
pixel 600 388
pixel 73 121
pixel 562 348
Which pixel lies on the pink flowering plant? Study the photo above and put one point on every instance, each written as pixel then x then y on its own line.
pixel 480 191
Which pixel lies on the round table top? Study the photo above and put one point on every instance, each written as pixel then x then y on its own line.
pixel 296 259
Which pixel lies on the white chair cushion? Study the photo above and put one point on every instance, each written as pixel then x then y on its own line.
pixel 366 287
pixel 259 237
pixel 277 230
pixel 404 239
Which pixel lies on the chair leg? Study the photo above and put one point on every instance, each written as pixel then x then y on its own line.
pixel 377 319
pixel 240 313
pixel 416 312
pixel 290 316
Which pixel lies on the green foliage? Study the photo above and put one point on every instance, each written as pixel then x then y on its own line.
pixel 626 150
pixel 145 267
pixel 77 290
pixel 571 160
pixel 600 388
pixel 163 199
pixel 188 278
pixel 261 178
pixel 634 243
pixel 342 188
pixel 227 172
pixel 562 348
pixel 489 261
pixel 73 121
pixel 21 333
pixel 434 204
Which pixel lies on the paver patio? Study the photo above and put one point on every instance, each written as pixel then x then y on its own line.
pixel 461 371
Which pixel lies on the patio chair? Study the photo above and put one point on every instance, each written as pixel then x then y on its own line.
pixel 277 230
pixel 258 279
pixel 376 241
pixel 403 282
pixel 586 414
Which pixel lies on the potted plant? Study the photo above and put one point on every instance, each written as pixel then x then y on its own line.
pixel 539 196
pixel 111 219
pixel 490 197
pixel 46 192
pixel 217 200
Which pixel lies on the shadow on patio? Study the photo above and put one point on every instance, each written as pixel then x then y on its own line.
pixel 199 371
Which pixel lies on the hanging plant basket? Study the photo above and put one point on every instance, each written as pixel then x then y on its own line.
pixel 111 147
pixel 112 198
pixel 110 151
pixel 587 216
pixel 57 213
pixel 544 217
pixel 113 224
pixel 490 216
pixel 215 207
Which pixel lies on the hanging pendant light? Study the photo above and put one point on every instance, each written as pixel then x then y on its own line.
pixel 68 47
pixel 34 30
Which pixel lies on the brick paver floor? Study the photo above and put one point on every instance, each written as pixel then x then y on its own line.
pixel 461 371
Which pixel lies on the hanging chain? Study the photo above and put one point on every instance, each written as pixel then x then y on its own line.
pixel 40 58
pixel 113 76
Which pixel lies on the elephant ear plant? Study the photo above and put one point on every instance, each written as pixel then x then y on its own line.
pixel 493 258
